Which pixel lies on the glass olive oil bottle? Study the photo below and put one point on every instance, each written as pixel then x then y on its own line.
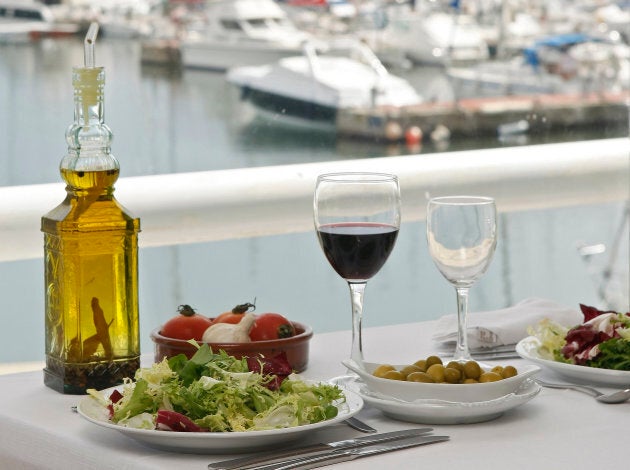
pixel 91 255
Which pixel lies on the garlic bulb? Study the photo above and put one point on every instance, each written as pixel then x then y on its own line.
pixel 230 333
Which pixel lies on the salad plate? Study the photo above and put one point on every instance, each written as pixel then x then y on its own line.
pixel 213 442
pixel 527 348
pixel 447 412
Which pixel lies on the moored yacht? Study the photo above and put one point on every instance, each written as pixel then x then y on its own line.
pixel 564 63
pixel 425 36
pixel 241 32
pixel 22 20
pixel 312 88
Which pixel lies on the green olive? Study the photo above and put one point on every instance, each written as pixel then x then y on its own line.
pixel 436 371
pixel 420 377
pixel 452 375
pixel 433 360
pixel 382 369
pixel 456 365
pixel 409 369
pixel 489 377
pixel 394 375
pixel 497 369
pixel 509 371
pixel 422 363
pixel 472 370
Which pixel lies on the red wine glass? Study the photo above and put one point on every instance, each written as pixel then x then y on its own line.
pixel 357 217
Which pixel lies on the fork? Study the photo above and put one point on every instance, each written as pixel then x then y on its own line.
pixel 619 396
pixel 359 425
pixel 353 422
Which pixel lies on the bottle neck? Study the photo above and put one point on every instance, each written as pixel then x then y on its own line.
pixel 89 109
pixel 89 164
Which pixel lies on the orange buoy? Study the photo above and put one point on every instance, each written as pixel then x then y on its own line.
pixel 413 135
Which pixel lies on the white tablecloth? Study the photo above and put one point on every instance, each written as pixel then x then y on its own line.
pixel 557 429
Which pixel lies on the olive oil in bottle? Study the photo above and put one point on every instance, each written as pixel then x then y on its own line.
pixel 91 255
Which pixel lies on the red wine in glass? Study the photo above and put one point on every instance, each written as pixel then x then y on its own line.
pixel 357 217
pixel 357 250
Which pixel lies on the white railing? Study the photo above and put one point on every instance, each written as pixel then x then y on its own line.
pixel 228 204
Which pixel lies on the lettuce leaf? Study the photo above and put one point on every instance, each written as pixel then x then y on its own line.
pixel 218 392
pixel 138 402
pixel 613 354
pixel 551 336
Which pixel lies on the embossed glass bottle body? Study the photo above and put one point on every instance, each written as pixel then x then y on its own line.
pixel 91 258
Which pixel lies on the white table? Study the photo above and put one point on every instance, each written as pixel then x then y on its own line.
pixel 557 429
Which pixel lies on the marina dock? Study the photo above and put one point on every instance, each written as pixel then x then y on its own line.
pixel 488 116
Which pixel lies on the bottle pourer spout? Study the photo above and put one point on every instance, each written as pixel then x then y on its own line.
pixel 88 80
pixel 88 45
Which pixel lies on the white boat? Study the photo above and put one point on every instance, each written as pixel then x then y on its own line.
pixel 566 63
pixel 312 88
pixel 427 37
pixel 23 20
pixel 241 32
pixel 124 19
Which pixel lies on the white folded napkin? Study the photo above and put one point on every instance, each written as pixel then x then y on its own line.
pixel 505 326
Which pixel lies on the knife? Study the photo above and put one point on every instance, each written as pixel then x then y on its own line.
pixel 313 449
pixel 484 353
pixel 344 455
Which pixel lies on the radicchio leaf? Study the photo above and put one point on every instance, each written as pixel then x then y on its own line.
pixel 114 397
pixel 277 367
pixel 580 341
pixel 167 420
pixel 592 312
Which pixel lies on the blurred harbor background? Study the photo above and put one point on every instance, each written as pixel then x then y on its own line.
pixel 173 119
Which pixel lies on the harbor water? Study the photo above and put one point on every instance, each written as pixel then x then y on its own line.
pixel 167 121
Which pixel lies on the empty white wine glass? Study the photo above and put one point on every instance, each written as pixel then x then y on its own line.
pixel 462 236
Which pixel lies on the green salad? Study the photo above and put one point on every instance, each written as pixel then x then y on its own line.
pixel 218 392
pixel 602 340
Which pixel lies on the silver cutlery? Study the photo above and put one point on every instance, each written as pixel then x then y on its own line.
pixel 345 455
pixel 261 460
pixel 497 352
pixel 359 425
pixel 619 396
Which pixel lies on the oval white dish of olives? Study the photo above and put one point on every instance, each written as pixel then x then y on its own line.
pixel 432 378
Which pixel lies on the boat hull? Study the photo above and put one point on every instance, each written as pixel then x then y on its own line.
pixel 289 108
pixel 220 57
pixel 315 88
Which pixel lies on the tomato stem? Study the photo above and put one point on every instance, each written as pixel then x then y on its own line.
pixel 285 331
pixel 242 308
pixel 186 310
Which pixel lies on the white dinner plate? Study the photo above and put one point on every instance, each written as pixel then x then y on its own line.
pixel 213 442
pixel 445 412
pixel 528 349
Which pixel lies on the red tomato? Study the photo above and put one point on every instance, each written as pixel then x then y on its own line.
pixel 187 325
pixel 271 326
pixel 235 315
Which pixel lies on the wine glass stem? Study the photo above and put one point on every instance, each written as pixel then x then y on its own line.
pixel 461 350
pixel 356 297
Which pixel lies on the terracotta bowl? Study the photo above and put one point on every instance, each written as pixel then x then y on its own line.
pixel 296 347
